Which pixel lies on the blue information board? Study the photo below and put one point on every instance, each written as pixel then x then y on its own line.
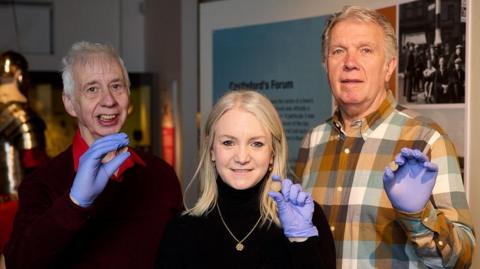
pixel 283 61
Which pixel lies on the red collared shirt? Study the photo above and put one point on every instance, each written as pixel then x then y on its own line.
pixel 79 147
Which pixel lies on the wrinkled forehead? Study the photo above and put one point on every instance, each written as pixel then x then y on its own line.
pixel 97 63
pixel 347 23
pixel 357 33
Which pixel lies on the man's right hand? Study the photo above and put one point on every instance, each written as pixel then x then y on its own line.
pixel 92 175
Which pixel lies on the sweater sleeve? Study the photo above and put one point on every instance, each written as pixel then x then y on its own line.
pixel 43 226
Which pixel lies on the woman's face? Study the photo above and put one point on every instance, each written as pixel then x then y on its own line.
pixel 241 149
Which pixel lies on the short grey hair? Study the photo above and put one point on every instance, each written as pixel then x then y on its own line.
pixel 81 51
pixel 363 15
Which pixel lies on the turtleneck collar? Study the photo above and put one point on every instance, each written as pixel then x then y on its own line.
pixel 229 198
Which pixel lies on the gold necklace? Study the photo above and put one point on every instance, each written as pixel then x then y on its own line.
pixel 239 246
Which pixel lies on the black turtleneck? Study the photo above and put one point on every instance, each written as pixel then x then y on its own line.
pixel 240 208
pixel 204 242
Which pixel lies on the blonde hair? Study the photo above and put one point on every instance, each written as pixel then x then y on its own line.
pixel 264 111
pixel 363 15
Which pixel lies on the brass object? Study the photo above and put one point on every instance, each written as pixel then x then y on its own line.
pixel 276 186
pixel 394 166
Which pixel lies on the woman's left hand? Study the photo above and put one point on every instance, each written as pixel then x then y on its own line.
pixel 295 209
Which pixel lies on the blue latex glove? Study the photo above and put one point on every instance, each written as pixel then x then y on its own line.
pixel 295 209
pixel 92 175
pixel 411 185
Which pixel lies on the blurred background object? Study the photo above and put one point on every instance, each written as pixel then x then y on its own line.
pixel 22 139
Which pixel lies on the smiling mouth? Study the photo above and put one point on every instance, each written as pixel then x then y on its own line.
pixel 107 117
pixel 241 170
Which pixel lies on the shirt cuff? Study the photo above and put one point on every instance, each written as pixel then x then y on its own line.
pixel 429 221
pixel 419 222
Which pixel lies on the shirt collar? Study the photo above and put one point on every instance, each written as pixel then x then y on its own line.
pixel 371 121
pixel 79 147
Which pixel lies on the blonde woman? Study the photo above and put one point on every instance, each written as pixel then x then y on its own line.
pixel 235 223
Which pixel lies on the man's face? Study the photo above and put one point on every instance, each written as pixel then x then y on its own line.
pixel 357 67
pixel 101 97
pixel 441 62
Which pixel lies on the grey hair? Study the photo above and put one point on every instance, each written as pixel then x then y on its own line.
pixel 363 15
pixel 81 51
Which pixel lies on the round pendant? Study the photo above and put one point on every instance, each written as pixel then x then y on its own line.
pixel 239 247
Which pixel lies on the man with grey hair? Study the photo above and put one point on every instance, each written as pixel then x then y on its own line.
pixel 388 206
pixel 99 204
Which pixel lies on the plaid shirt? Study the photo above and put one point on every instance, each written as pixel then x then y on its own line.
pixel 344 173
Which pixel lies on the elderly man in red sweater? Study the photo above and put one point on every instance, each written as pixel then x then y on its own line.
pixel 99 204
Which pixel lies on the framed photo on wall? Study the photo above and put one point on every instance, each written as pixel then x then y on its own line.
pixel 431 67
pixel 431 70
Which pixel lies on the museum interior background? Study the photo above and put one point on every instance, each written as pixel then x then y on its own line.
pixel 163 44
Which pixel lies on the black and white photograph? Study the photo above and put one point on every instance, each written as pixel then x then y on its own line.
pixel 431 67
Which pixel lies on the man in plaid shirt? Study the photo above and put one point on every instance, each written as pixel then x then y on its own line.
pixel 342 162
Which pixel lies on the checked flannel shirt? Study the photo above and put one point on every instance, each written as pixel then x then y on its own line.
pixel 344 173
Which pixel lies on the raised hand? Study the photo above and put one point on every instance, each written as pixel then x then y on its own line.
pixel 295 209
pixel 409 187
pixel 92 175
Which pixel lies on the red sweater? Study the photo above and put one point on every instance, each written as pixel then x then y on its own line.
pixel 122 229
